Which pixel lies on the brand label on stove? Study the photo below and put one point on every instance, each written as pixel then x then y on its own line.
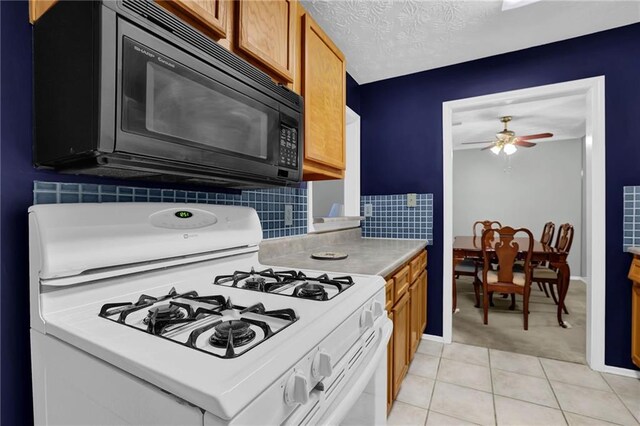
pixel 183 214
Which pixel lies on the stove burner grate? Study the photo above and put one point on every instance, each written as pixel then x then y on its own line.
pixel 163 320
pixel 311 291
pixel 235 332
pixel 258 281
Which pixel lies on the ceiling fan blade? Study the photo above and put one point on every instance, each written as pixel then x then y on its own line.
pixel 524 144
pixel 488 147
pixel 537 136
pixel 471 143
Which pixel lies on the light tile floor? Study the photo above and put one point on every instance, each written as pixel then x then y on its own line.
pixel 459 384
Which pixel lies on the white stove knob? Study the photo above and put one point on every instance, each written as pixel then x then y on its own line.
pixel 366 319
pixel 321 365
pixel 377 309
pixel 295 392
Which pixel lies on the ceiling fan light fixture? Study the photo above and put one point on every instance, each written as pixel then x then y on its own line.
pixel 496 149
pixel 510 149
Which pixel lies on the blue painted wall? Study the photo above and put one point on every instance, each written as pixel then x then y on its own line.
pixel 402 136
pixel 353 94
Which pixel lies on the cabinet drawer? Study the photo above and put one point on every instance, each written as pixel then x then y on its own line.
pixel 401 279
pixel 634 272
pixel 417 265
pixel 389 294
pixel 414 264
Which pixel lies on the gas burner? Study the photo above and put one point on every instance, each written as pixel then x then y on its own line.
pixel 254 283
pixel 235 332
pixel 287 283
pixel 311 291
pixel 164 312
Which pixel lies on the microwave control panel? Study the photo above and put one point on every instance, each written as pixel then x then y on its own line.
pixel 289 147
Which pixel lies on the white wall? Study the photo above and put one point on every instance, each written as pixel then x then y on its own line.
pixel 543 184
pixel 325 194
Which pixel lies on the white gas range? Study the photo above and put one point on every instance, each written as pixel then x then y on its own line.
pixel 149 313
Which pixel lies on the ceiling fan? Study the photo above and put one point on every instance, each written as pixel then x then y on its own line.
pixel 507 140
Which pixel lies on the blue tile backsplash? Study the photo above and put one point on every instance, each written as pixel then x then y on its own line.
pixel 631 237
pixel 391 218
pixel 269 203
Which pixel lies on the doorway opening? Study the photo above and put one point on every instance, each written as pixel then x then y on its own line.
pixel 592 224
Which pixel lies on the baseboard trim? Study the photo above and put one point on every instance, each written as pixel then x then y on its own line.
pixel 621 371
pixel 577 278
pixel 432 337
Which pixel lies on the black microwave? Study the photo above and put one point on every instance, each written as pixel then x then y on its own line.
pixel 125 89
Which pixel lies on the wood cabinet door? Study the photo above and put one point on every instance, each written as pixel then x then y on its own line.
pixel 265 33
pixel 422 283
pixel 390 370
pixel 415 319
pixel 635 324
pixel 389 294
pixel 400 342
pixel 324 90
pixel 209 16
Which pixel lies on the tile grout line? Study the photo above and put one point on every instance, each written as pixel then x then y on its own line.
pixel 434 386
pixel 619 398
pixel 493 391
pixel 433 389
pixel 546 376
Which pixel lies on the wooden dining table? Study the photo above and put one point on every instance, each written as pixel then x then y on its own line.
pixel 471 247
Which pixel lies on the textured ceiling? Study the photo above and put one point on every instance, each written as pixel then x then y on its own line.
pixel 564 117
pixel 388 38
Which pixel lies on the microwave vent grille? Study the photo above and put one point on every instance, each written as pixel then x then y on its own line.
pixel 155 14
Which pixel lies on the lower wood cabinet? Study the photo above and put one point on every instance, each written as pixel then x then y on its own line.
pixel 423 296
pixel 634 276
pixel 415 319
pixel 390 368
pixel 406 292
pixel 400 337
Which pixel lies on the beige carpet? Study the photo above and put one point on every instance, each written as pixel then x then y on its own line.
pixel 505 329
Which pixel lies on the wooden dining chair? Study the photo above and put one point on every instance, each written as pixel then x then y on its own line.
pixel 547 233
pixel 499 244
pixel 470 266
pixel 546 275
pixel 546 238
pixel 486 224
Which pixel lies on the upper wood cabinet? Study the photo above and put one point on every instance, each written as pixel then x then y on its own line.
pixel 266 33
pixel 38 7
pixel 209 16
pixel 323 86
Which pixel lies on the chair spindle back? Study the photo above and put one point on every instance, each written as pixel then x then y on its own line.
pixel 547 233
pixel 486 224
pixel 565 237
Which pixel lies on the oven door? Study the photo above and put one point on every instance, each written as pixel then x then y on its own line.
pixel 174 106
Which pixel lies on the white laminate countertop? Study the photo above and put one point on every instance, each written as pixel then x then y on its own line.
pixel 371 256
pixel 634 250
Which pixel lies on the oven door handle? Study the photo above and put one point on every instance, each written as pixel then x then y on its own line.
pixel 340 411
